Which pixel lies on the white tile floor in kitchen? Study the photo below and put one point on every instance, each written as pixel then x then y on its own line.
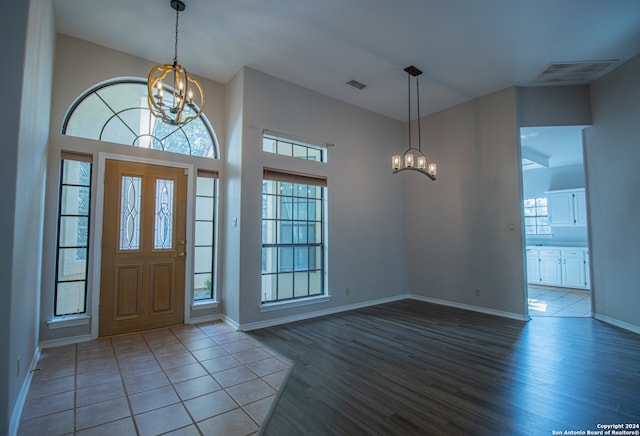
pixel 560 302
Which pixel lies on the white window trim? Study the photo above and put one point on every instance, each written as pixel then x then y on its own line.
pixel 287 304
pixel 65 321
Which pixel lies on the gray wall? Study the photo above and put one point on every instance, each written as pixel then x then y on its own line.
pixel 464 230
pixel 365 204
pixel 612 158
pixel 554 106
pixel 26 92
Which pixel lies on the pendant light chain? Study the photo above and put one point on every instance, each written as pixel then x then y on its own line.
pixel 418 97
pixel 175 52
pixel 409 100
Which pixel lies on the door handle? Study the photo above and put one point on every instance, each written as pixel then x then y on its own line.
pixel 181 254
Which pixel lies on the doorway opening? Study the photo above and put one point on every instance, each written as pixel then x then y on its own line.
pixel 555 222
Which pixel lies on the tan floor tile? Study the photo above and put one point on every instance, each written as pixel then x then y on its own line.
pixel 57 423
pixel 198 343
pixel 145 382
pixel 237 346
pixel 233 423
pixel 43 388
pixel 175 360
pixel 137 368
pixel 250 391
pixel 93 365
pixel 196 387
pixel 209 405
pixel 190 430
pixel 150 362
pixel 47 405
pixel 163 420
pixel 276 379
pixel 47 374
pixel 230 337
pixel 234 376
pixel 101 413
pixel 251 355
pixel 90 345
pixel 94 353
pixel 266 366
pixel 186 372
pixel 220 364
pixel 169 350
pixel 153 399
pixel 97 377
pixel 259 410
pixel 121 427
pixel 99 393
pixel 209 353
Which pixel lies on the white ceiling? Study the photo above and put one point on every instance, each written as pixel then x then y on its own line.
pixel 466 48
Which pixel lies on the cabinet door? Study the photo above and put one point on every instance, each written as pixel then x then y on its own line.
pixel 573 272
pixel 550 271
pixel 533 265
pixel 580 208
pixel 561 209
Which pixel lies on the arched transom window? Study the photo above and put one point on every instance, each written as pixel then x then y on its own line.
pixel 116 111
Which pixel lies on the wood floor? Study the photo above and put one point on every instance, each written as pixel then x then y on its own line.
pixel 413 368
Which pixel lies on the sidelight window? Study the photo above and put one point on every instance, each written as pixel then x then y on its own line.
pixel 72 255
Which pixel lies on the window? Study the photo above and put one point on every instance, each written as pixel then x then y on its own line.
pixel 73 234
pixel 536 216
pixel 292 236
pixel 117 111
pixel 274 144
pixel 204 236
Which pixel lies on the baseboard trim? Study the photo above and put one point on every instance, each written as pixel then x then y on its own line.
pixel 65 341
pixel 303 316
pixel 469 307
pixel 623 325
pixel 205 318
pixel 16 415
pixel 231 322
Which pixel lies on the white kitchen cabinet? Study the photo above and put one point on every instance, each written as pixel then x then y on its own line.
pixel 550 267
pixel 580 207
pixel 533 265
pixel 567 207
pixel 573 268
pixel 558 266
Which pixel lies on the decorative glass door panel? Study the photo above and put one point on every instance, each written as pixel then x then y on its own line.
pixel 143 242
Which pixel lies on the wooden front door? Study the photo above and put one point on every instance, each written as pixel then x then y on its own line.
pixel 143 247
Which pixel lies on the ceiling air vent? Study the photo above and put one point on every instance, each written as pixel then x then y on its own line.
pixel 356 84
pixel 572 72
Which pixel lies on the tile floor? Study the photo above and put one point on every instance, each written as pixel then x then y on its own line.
pixel 189 380
pixel 562 302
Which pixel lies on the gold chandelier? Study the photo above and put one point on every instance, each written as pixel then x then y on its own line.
pixel 183 100
pixel 413 158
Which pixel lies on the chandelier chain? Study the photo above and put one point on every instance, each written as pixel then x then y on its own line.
pixel 175 52
pixel 418 98
pixel 409 100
